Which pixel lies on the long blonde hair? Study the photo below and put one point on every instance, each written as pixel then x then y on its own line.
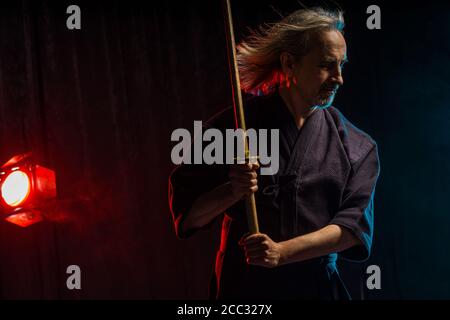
pixel 258 56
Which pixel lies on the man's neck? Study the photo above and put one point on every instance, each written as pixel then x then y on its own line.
pixel 296 105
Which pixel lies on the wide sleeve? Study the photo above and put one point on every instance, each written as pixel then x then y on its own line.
pixel 189 181
pixel 186 184
pixel 356 212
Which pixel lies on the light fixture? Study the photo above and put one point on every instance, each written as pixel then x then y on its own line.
pixel 24 187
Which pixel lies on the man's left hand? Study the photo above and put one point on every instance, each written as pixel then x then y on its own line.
pixel 261 250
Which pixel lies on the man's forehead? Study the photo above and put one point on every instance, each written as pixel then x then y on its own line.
pixel 331 45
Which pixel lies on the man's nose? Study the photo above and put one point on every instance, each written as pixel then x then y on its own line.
pixel 340 80
pixel 337 77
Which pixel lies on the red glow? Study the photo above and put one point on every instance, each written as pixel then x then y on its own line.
pixel 16 188
pixel 268 85
pixel 24 219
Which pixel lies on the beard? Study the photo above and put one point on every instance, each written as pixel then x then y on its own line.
pixel 322 99
pixel 325 97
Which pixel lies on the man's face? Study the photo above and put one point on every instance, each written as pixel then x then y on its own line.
pixel 317 75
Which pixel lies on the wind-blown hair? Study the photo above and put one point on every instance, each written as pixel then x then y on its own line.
pixel 258 56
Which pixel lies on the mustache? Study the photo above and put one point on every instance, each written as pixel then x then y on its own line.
pixel 330 88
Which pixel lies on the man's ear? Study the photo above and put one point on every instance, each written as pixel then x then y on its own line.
pixel 287 63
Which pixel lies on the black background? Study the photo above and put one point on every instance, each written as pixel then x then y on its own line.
pixel 99 104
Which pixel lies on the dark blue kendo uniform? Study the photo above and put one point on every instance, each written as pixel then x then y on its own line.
pixel 327 175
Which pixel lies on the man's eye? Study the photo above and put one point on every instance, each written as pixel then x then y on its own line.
pixel 331 65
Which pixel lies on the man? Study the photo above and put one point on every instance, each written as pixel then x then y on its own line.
pixel 319 203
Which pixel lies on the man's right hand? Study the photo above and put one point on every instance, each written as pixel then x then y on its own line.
pixel 243 178
pixel 210 204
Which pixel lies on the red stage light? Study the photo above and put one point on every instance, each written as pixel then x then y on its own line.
pixel 24 186
pixel 16 188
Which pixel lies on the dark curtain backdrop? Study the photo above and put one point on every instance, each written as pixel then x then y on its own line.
pixel 99 105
